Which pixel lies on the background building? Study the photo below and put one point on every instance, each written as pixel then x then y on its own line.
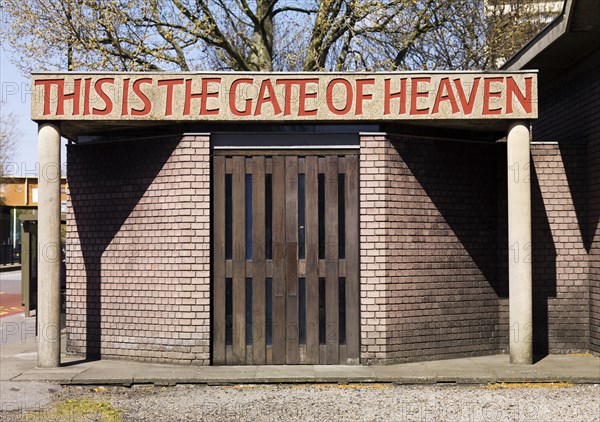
pixel 20 196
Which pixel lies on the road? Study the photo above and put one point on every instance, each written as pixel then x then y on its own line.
pixel 325 402
pixel 13 325
pixel 10 293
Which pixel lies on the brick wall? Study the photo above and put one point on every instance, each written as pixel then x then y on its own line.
pixel 429 249
pixel 138 258
pixel 560 260
pixel 433 249
pixel 559 255
pixel 594 230
pixel 570 114
pixel 569 108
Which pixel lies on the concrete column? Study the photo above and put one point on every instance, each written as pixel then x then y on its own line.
pixel 48 305
pixel 519 243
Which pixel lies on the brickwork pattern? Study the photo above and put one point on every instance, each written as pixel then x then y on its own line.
pixel 570 114
pixel 560 259
pixel 138 250
pixel 594 229
pixel 559 254
pixel 428 249
pixel 375 160
pixel 569 108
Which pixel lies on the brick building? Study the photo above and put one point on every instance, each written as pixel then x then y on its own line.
pixel 326 218
pixel 565 154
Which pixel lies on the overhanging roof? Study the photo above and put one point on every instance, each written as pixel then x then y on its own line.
pixel 565 41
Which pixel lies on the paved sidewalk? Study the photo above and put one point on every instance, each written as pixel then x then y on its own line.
pixel 18 360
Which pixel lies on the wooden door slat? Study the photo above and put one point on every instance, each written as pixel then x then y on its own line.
pixel 278 215
pixel 312 260
pixel 352 262
pixel 218 291
pixel 239 260
pixel 291 280
pixel 285 268
pixel 331 259
pixel 258 260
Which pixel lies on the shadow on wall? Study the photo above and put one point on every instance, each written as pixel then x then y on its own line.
pixel 574 163
pixel 469 192
pixel 543 258
pixel 460 180
pixel 106 181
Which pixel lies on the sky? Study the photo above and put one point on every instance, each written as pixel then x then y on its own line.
pixel 15 96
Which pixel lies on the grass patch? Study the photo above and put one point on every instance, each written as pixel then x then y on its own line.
pixel 80 409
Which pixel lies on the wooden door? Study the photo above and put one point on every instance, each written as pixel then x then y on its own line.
pixel 285 258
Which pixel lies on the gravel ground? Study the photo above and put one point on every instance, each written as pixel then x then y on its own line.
pixel 369 402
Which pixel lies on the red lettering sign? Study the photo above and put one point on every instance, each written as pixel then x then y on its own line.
pixel 233 95
pixel 267 95
pixel 488 95
pixel 86 96
pixel 348 96
pixel 170 84
pixel 138 92
pixel 416 94
pixel 448 96
pixel 389 96
pixel 290 98
pixel 203 96
pixel 360 95
pixel 204 110
pixel 467 105
pixel 125 104
pixel 302 111
pixel 108 104
pixel 61 97
pixel 524 99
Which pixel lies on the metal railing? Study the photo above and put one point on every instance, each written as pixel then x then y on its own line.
pixel 10 254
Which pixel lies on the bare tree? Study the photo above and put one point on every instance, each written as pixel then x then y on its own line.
pixel 9 135
pixel 261 35
pixel 483 34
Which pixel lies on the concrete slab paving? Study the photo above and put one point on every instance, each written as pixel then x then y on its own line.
pixel 469 370
pixel 341 373
pixel 409 373
pixel 227 374
pixel 109 372
pixel 167 375
pixel 285 373
pixel 18 362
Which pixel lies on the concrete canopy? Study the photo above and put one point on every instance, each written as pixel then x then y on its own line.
pixel 98 103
